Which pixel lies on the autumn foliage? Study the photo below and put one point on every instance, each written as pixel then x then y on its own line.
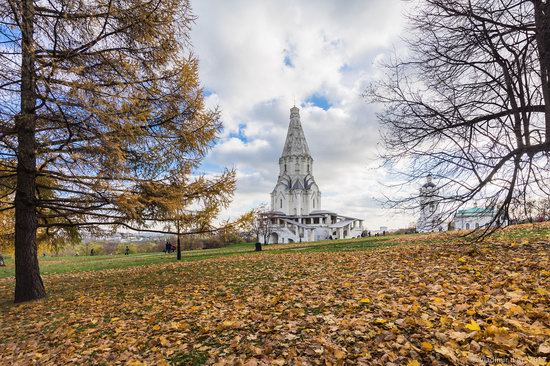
pixel 102 123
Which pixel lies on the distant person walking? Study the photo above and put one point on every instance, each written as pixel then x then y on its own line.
pixel 92 252
pixel 127 251
pixel 2 263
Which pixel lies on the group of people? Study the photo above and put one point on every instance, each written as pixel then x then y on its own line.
pixel 169 248
pixel 126 251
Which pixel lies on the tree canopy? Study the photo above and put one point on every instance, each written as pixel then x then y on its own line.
pixel 469 102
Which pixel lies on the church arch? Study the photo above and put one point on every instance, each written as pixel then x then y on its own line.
pixel 467 226
pixel 273 238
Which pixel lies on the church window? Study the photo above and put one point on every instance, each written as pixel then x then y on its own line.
pixel 308 168
pixel 314 203
pixel 297 167
pixel 295 212
pixel 477 225
pixel 285 168
pixel 281 203
pixel 468 226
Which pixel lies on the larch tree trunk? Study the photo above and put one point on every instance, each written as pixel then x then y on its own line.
pixel 28 285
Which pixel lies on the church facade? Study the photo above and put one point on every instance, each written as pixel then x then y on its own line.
pixel 296 212
pixel 431 217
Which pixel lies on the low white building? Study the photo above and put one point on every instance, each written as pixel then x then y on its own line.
pixel 474 218
pixel 296 214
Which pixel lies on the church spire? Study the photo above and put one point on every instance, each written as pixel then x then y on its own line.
pixel 296 144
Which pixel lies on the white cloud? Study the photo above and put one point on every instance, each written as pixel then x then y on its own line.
pixel 257 56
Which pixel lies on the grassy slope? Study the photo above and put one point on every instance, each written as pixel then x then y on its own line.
pixel 51 265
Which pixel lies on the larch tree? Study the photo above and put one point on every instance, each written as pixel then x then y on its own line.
pixel 102 122
pixel 469 102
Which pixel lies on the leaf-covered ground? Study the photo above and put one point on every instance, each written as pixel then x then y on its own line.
pixel 426 303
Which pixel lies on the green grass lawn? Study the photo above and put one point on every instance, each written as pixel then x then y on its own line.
pixel 52 264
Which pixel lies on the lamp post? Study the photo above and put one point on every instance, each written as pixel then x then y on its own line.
pixel 178 246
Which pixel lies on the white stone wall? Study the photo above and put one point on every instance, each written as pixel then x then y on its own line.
pixel 472 222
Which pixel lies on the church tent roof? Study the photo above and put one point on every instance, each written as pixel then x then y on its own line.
pixel 295 144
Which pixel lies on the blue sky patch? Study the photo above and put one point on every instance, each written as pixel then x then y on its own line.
pixel 319 100
pixel 240 134
pixel 207 92
pixel 287 59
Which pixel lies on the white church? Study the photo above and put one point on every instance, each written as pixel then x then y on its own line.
pixel 296 214
pixel 430 218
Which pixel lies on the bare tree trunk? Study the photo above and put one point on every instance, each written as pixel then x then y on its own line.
pixel 542 23
pixel 28 284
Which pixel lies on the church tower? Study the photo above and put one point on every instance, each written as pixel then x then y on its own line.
pixel 429 215
pixel 296 192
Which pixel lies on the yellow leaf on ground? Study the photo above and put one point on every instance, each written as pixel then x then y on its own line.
pixel 413 363
pixel 491 330
pixel 156 327
pixel 227 323
pixel 364 300
pixel 163 341
pixel 427 346
pixel 339 354
pixel 473 326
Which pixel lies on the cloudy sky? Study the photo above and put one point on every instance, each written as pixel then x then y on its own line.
pixel 258 56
